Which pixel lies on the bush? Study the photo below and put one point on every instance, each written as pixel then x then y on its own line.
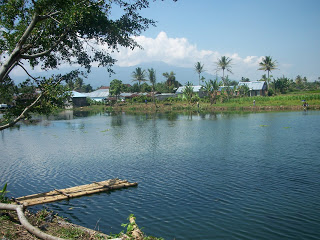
pixel 270 92
pixel 195 99
pixel 141 99
pixel 172 99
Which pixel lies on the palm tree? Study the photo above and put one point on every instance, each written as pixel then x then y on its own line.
pixel 224 63
pixel 199 69
pixel 139 75
pixel 268 65
pixel 152 79
pixel 171 78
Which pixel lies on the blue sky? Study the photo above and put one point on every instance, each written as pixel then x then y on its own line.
pixel 189 31
pixel 287 30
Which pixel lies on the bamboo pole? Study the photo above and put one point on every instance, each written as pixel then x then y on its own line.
pixel 95 185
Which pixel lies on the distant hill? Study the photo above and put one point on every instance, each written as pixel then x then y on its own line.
pixel 100 77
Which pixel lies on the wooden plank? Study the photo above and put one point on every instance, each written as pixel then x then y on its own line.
pixel 77 191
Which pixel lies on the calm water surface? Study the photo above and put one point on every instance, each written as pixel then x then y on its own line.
pixel 223 176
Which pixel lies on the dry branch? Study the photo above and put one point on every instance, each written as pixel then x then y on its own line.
pixel 23 220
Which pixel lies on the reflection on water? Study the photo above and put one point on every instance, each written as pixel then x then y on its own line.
pixel 201 176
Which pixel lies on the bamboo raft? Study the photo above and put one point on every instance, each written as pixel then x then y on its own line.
pixel 78 191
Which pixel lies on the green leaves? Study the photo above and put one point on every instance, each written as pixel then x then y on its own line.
pixel 60 28
pixel 139 75
pixel 3 193
pixel 267 64
pixel 116 87
pixel 188 91
pixel 50 33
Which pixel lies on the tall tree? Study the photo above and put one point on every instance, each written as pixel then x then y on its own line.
pixel 199 69
pixel 171 78
pixel 298 80
pixel 139 76
pixel 224 63
pixel 152 79
pixel 267 64
pixel 78 84
pixel 49 33
pixel 116 88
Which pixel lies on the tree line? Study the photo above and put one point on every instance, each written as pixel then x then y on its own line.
pixel 50 33
pixel 224 64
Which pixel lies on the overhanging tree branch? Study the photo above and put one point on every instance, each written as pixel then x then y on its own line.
pixel 37 55
pixel 15 55
pixel 27 109
pixel 27 72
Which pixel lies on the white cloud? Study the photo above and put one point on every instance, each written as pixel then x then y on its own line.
pixel 181 53
pixel 178 52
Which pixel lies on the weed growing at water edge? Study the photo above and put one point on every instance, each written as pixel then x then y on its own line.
pixel 3 193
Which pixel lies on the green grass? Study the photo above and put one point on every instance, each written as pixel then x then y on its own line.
pixel 280 100
pixel 287 101
pixel 70 233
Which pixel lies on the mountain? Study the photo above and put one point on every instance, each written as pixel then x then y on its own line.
pixel 100 76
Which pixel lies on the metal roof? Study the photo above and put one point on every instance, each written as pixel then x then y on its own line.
pixel 195 89
pixel 100 93
pixel 256 85
pixel 225 88
pixel 77 94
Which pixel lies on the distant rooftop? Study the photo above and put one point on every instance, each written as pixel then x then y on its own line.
pixel 100 93
pixel 195 89
pixel 256 85
pixel 77 94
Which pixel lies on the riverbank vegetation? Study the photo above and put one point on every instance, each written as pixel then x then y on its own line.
pixel 293 101
pixel 52 224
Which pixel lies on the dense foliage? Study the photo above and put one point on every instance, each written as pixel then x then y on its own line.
pixel 49 33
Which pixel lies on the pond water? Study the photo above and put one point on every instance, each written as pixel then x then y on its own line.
pixel 201 176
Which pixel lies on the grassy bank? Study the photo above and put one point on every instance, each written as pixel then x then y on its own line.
pixel 276 103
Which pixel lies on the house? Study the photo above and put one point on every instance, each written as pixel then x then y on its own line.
pixel 197 90
pixel 125 96
pixel 256 88
pixel 99 95
pixel 78 99
pixel 3 106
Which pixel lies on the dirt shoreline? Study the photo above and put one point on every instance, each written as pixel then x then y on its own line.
pixel 47 222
